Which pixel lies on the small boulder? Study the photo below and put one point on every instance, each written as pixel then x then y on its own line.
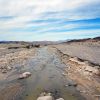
pixel 24 75
pixel 92 70
pixel 72 83
pixel 64 74
pixel 4 71
pixel 43 94
pixel 9 68
pixel 45 98
pixel 60 99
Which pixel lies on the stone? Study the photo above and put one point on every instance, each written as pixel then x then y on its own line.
pixel 24 75
pixel 75 60
pixel 4 71
pixel 92 69
pixel 45 98
pixel 49 94
pixel 60 99
pixel 72 83
pixel 43 94
pixel 9 68
pixel 63 74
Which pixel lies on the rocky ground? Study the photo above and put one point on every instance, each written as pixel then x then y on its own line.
pixel 69 71
pixel 83 61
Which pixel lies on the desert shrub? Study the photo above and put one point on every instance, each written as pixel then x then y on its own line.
pixel 13 47
pixel 37 45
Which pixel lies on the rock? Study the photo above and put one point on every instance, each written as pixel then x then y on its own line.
pixel 24 75
pixel 60 99
pixel 9 68
pixel 97 95
pixel 97 67
pixel 66 85
pixel 64 74
pixel 43 94
pixel 82 91
pixel 4 71
pixel 86 62
pixel 92 70
pixel 72 84
pixel 76 60
pixel 45 98
pixel 49 94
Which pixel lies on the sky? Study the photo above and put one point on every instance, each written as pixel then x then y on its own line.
pixel 49 20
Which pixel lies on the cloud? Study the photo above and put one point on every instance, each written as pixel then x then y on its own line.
pixel 43 17
pixel 50 36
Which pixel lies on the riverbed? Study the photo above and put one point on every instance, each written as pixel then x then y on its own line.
pixel 46 68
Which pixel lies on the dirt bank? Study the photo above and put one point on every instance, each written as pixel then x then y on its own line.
pixel 83 66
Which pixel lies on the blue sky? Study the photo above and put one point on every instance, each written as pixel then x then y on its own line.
pixel 52 20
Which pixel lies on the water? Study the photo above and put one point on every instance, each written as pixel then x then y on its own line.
pixel 46 69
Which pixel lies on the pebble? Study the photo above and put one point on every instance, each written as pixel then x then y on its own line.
pixel 63 74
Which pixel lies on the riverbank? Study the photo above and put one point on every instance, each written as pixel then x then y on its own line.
pixel 68 71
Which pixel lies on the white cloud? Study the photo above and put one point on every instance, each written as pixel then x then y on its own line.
pixel 50 36
pixel 37 7
pixel 24 11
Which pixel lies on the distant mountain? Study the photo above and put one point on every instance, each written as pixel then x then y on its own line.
pixel 85 40
pixel 12 42
pixel 97 38
pixel 32 43
pixel 51 42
